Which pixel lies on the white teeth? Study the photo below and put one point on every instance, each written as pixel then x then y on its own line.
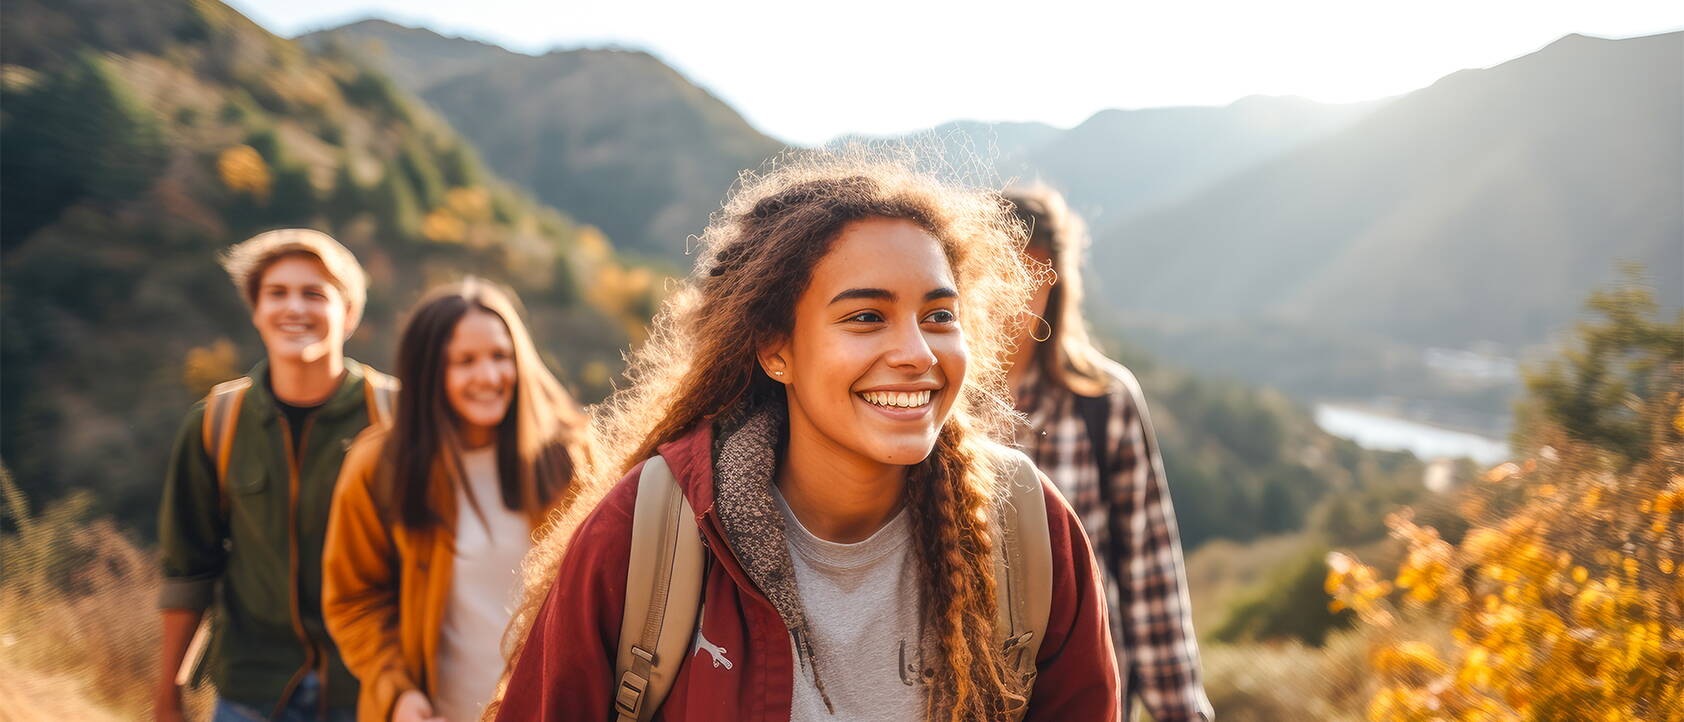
pixel 901 399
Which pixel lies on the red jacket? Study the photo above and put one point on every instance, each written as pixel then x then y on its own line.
pixel 566 671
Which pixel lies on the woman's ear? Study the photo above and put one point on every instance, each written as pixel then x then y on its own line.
pixel 774 360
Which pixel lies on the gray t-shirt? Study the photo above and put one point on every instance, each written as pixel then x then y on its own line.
pixel 861 602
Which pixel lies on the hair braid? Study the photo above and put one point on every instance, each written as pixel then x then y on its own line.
pixel 948 493
pixel 756 257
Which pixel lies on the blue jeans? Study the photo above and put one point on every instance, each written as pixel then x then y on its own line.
pixel 301 708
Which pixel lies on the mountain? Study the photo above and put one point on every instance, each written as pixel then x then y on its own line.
pixel 1475 211
pixel 1120 162
pixel 141 137
pixel 615 138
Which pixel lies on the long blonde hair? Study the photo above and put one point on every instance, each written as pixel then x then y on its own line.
pixel 1067 357
pixel 755 260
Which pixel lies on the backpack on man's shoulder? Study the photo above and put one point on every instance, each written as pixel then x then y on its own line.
pixel 222 418
pixel 665 574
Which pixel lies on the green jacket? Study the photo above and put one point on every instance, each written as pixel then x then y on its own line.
pixel 259 563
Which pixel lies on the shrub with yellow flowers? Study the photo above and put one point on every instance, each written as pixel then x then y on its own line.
pixel 1565 598
pixel 242 170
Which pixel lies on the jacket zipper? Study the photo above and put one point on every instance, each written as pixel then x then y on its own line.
pixel 312 655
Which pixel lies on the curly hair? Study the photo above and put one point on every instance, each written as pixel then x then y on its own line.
pixel 756 258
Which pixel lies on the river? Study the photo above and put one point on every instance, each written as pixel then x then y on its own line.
pixel 1378 431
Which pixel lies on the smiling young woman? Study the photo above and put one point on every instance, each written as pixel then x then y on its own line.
pixel 824 388
pixel 432 515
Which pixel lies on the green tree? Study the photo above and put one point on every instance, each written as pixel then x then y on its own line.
pixel 1598 392
pixel 77 135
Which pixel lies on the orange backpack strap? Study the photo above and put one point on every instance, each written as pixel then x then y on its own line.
pixel 222 416
pixel 381 391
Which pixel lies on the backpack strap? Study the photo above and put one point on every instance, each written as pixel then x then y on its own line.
pixel 663 590
pixel 381 392
pixel 1023 569
pixel 1096 418
pixel 222 416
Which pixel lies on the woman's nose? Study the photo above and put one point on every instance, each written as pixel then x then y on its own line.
pixel 911 350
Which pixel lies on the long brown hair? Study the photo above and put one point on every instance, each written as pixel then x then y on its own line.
pixel 1067 356
pixel 756 258
pixel 540 442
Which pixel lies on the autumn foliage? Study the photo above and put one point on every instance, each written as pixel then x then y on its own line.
pixel 1565 599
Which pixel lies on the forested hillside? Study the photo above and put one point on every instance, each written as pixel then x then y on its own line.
pixel 142 137
pixel 613 137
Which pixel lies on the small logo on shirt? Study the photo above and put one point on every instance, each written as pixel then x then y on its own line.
pixel 717 651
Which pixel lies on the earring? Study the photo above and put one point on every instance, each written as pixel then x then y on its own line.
pixel 1043 322
pixel 777 373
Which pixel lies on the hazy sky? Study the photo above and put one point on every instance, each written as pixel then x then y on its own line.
pixel 807 71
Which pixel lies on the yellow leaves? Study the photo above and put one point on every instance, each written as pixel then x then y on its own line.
pixel 592 245
pixel 464 208
pixel 1357 587
pixel 442 226
pixel 1409 658
pixel 207 366
pixel 468 204
pixel 1400 704
pixel 626 294
pixel 1557 609
pixel 242 170
pixel 1502 472
pixel 1594 605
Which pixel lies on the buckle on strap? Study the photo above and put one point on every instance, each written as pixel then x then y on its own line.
pixel 629 698
pixel 1017 641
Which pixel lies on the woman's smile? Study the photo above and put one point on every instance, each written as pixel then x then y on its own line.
pixel 900 405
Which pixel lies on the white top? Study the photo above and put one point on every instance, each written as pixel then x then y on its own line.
pixel 861 602
pixel 483 591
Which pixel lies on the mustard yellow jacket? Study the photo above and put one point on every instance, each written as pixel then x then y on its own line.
pixel 385 586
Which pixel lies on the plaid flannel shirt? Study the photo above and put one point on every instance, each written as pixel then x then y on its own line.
pixel 1151 619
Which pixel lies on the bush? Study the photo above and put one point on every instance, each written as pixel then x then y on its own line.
pixel 1567 593
pixel 378 93
pixel 1292 604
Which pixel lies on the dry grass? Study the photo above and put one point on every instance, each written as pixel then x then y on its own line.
pixel 77 606
pixel 1290 682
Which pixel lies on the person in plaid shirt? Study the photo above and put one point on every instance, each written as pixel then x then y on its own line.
pixel 1072 395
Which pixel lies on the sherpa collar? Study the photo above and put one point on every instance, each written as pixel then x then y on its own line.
pixel 745 464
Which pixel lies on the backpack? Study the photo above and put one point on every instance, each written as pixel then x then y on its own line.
pixel 662 603
pixel 222 417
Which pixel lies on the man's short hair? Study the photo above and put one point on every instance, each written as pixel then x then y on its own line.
pixel 247 261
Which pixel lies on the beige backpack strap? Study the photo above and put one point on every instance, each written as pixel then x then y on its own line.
pixel 381 391
pixel 1023 569
pixel 663 590
pixel 222 416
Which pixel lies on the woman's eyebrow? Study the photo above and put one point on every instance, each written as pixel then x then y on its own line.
pixel 871 293
pixel 882 294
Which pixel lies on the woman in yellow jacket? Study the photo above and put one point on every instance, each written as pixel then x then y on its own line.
pixel 433 513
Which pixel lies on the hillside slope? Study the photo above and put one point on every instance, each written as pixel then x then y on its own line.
pixel 1476 210
pixel 140 138
pixel 615 138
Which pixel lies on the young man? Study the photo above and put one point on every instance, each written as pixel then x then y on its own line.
pixel 1089 432
pixel 250 482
